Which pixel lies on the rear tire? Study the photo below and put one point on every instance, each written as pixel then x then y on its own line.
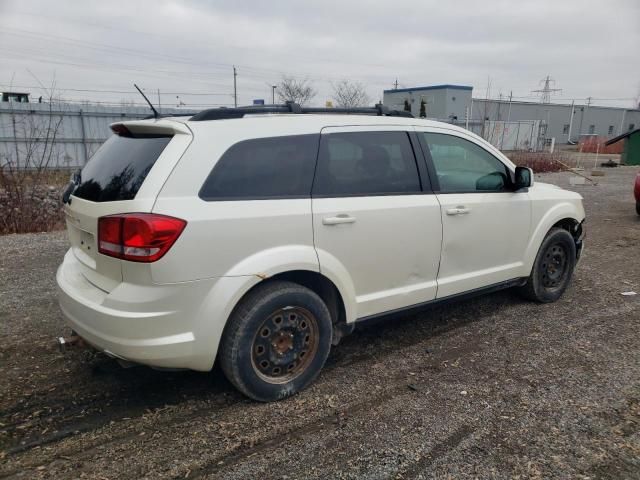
pixel 638 208
pixel 552 269
pixel 276 341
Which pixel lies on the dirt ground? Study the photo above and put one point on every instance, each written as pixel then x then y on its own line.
pixel 493 387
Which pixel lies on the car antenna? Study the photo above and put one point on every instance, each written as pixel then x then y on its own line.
pixel 155 112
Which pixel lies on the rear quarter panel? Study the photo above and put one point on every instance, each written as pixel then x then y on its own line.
pixel 238 237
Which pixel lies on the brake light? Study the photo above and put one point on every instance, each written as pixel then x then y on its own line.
pixel 138 237
pixel 120 129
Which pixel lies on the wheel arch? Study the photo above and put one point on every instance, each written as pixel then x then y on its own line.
pixel 320 284
pixel 563 215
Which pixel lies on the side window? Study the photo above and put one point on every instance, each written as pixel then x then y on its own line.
pixel 463 166
pixel 274 167
pixel 366 163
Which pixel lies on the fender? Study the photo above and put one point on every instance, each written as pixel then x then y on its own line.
pixel 267 263
pixel 229 289
pixel 552 216
pixel 288 258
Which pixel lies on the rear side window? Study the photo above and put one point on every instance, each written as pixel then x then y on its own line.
pixel 118 169
pixel 263 168
pixel 366 163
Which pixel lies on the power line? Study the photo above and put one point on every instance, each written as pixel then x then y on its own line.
pixel 331 60
pixel 257 71
pixel 132 103
pixel 95 90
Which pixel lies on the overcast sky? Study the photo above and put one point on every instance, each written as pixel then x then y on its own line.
pixel 187 48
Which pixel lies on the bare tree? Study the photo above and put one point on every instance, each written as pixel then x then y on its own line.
pixel 291 89
pixel 348 94
pixel 28 178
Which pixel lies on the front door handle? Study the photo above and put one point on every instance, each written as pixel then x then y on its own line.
pixel 459 210
pixel 338 219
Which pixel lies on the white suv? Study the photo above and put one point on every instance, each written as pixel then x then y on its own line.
pixel 260 236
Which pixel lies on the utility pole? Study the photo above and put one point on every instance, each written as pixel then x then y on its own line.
pixel 235 90
pixel 624 114
pixel 571 121
pixel 486 103
pixel 585 111
pixel 505 125
pixel 273 94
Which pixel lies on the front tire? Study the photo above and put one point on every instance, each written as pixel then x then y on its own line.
pixel 638 208
pixel 277 341
pixel 552 269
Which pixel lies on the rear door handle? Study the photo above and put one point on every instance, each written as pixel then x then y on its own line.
pixel 338 219
pixel 459 210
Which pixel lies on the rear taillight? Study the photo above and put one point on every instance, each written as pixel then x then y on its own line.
pixel 139 237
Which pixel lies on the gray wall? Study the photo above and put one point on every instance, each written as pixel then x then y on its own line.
pixel 446 101
pixel 556 116
pixel 58 135
pixel 443 102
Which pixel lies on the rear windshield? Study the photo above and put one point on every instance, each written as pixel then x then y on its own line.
pixel 118 169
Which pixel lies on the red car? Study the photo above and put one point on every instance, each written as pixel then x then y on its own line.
pixel 636 192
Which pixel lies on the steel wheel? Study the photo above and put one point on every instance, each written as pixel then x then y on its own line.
pixel 554 266
pixel 285 344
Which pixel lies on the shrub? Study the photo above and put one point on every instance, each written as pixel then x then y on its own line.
pixel 542 162
pixel 30 200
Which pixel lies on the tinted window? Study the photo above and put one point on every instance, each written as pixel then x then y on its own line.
pixel 275 167
pixel 116 171
pixel 366 163
pixel 463 166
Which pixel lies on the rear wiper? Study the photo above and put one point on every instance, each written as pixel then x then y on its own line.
pixel 71 187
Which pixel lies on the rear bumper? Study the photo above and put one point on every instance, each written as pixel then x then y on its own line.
pixel 156 325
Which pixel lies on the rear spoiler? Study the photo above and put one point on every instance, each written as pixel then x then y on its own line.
pixel 146 127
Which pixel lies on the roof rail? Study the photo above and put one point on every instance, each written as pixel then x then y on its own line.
pixel 292 107
pixel 168 115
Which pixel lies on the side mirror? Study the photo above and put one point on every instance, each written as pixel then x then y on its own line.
pixel 523 178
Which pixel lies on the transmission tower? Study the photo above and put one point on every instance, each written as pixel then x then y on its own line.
pixel 546 91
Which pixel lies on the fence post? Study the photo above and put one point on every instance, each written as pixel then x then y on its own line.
pixel 15 138
pixel 84 138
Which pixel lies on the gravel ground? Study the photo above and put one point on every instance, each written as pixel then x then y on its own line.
pixel 493 387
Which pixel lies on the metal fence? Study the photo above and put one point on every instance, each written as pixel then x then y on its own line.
pixel 61 135
pixel 58 135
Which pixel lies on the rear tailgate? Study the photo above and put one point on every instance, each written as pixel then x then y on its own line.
pixel 124 176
